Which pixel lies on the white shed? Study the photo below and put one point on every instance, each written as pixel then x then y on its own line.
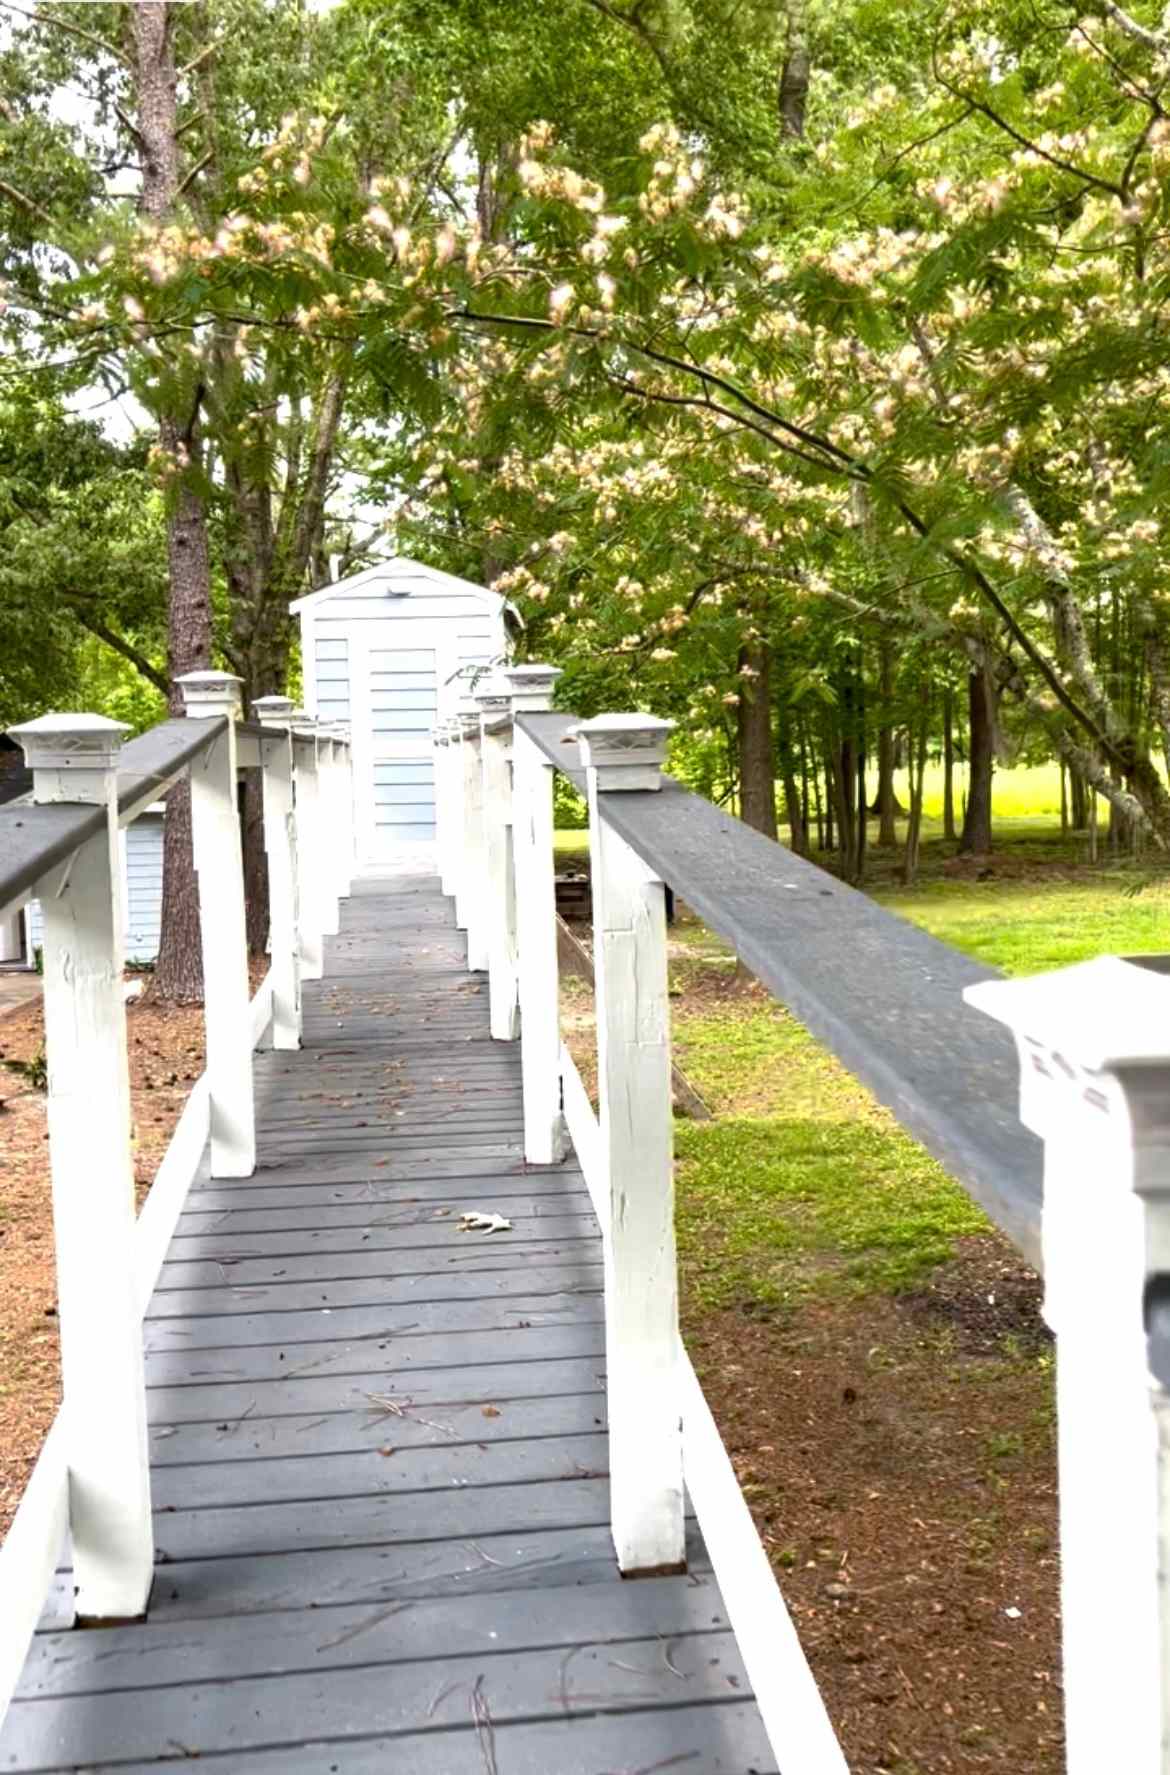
pixel 391 650
pixel 142 864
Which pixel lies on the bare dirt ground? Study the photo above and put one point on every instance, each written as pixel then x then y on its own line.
pixel 897 1457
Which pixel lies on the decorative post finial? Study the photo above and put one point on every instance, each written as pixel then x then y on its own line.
pixel 626 751
pixel 493 697
pixel 71 756
pixel 211 693
pixel 532 687
pixel 274 711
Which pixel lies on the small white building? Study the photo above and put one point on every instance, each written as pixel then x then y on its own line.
pixel 391 650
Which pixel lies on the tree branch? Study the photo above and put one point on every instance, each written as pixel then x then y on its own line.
pixel 25 203
pixel 121 646
pixel 60 24
pixel 1131 27
pixel 1022 141
pixel 205 55
pixel 190 178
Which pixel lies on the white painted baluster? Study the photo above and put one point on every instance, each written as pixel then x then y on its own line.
pixel 532 832
pixel 622 753
pixel 495 709
pixel 444 848
pixel 327 795
pixel 280 844
pixel 457 818
pixel 310 843
pixel 350 815
pixel 472 883
pixel 219 864
pixel 74 758
pixel 337 818
pixel 1094 1047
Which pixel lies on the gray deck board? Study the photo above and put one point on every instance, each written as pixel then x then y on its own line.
pixel 380 1468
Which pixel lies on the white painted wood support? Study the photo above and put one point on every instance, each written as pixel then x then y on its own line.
pixel 1094 1047
pixel 74 758
pixel 280 845
pixel 536 922
pixel 472 882
pixel 633 1066
pixel 456 819
pixel 310 842
pixel 495 709
pixel 219 864
pixel 346 823
pixel 446 829
pixel 327 803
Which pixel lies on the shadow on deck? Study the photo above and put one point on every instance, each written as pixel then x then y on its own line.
pixel 378 1442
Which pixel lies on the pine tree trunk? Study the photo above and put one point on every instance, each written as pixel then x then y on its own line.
pixel 179 969
pixel 178 974
pixel 757 761
pixel 976 837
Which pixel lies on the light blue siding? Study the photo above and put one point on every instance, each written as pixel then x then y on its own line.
pixel 142 897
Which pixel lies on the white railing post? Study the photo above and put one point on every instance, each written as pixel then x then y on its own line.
pixel 280 845
pixel 74 758
pixel 343 808
pixel 219 864
pixel 474 864
pixel 1094 1047
pixel 495 711
pixel 310 844
pixel 327 803
pixel 536 921
pixel 444 849
pixel 622 753
pixel 456 819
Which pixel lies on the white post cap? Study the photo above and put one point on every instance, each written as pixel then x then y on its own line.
pixel 70 742
pixel 532 687
pixel 211 693
pixel 626 751
pixel 494 697
pixel 274 711
pixel 1090 1038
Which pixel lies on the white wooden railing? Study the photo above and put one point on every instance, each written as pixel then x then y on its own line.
pixel 92 1480
pixel 1094 1051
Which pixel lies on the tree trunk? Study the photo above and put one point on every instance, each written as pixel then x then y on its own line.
pixel 796 72
pixel 757 765
pixel 179 969
pixel 797 830
pixel 886 803
pixel 256 910
pixel 178 974
pixel 949 832
pixel 917 783
pixel 976 836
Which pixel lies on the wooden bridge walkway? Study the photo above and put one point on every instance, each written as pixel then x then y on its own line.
pixel 378 1442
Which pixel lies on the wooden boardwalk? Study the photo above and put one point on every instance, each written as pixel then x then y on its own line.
pixel 378 1442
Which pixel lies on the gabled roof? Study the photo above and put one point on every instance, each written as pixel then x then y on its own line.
pixel 398 577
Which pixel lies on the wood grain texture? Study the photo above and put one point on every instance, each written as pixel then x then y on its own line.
pixel 378 1444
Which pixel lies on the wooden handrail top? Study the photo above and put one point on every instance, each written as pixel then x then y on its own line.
pixel 34 840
